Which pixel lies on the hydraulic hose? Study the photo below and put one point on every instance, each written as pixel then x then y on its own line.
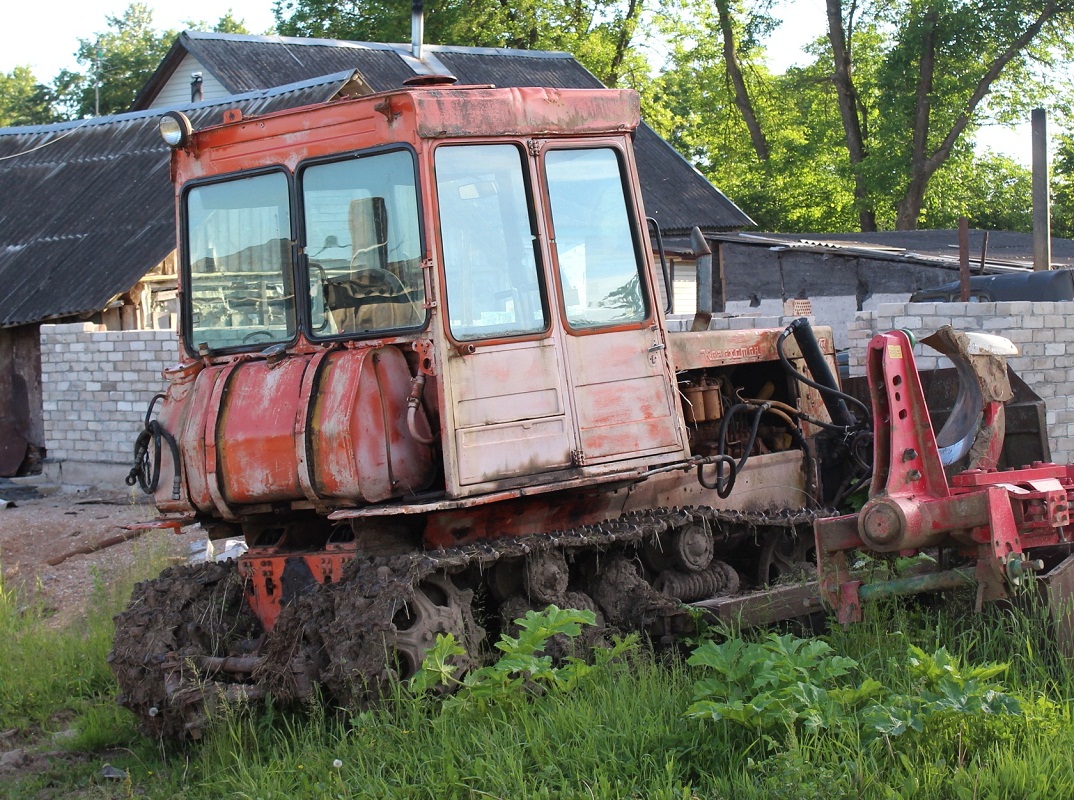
pixel 834 399
pixel 417 389
pixel 147 476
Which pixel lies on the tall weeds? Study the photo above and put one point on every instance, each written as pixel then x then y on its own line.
pixel 986 700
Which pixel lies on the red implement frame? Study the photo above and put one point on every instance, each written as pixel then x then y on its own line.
pixel 995 516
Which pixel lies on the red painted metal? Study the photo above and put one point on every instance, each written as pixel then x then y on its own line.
pixel 263 568
pixel 252 433
pixel 995 516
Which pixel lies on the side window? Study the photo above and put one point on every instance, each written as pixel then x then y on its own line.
pixel 363 241
pixel 488 235
pixel 238 235
pixel 599 269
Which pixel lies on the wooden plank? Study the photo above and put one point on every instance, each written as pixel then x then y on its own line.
pixel 764 607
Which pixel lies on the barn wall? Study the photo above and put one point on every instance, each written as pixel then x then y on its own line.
pixel 22 436
pixel 1046 348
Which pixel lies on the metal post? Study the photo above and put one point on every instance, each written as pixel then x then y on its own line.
pixel 964 259
pixel 1042 234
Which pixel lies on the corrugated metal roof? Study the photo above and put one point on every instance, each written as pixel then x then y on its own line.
pixel 86 208
pixel 243 65
pixel 508 68
pixel 1004 248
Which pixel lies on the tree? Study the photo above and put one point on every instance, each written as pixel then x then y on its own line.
pixel 770 142
pixel 23 100
pixel 600 33
pixel 117 61
pixel 939 62
pixel 1063 187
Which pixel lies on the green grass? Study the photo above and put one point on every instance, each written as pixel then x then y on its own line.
pixel 618 731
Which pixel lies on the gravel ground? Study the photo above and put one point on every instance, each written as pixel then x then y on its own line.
pixel 36 529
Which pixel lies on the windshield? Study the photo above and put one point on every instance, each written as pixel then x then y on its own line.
pixel 598 262
pixel 364 244
pixel 239 250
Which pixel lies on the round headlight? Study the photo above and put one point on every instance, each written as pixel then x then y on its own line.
pixel 175 129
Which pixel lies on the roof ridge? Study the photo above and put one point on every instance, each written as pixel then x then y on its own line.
pixel 403 47
pixel 130 116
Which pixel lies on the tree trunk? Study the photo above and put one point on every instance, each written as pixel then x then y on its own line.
pixel 734 72
pixel 627 25
pixel 909 207
pixel 849 111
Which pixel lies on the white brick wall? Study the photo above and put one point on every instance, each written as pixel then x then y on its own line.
pixel 96 386
pixel 1045 343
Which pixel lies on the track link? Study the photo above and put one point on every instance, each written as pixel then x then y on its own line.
pixel 188 643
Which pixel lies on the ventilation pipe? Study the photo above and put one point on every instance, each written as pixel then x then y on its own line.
pixel 417 28
pixel 1042 229
pixel 196 86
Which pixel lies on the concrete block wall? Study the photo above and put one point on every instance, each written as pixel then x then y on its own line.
pixel 1045 343
pixel 96 386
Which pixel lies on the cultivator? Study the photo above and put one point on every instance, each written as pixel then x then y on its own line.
pixel 1008 523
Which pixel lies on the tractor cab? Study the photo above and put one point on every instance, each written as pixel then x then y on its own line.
pixel 434 290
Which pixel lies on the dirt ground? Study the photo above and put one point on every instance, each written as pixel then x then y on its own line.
pixel 37 529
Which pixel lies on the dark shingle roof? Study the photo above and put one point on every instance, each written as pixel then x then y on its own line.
pixel 86 208
pixel 675 194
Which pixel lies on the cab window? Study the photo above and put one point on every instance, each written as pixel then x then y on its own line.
pixel 364 245
pixel 240 286
pixel 599 268
pixel 489 240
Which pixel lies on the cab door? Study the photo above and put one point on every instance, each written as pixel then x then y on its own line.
pixel 507 410
pixel 619 376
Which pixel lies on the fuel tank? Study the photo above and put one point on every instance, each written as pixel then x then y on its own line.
pixel 327 428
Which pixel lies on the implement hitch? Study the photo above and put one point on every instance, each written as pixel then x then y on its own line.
pixel 996 518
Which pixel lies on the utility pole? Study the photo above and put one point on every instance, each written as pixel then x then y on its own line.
pixel 1042 226
pixel 97 83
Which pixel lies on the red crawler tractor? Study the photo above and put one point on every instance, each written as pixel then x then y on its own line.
pixel 425 373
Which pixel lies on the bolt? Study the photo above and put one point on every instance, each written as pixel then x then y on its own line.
pixel 909 454
pixel 913 475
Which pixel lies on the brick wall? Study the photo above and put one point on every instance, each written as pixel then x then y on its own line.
pixel 1045 343
pixel 96 386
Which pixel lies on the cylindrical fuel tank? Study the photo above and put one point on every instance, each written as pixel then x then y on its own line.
pixel 328 426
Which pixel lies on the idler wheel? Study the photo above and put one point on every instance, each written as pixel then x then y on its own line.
pixel 437 607
pixel 545 576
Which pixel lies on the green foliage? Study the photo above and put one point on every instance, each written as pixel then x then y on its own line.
pixel 618 729
pixel 784 688
pixel 524 667
pixel 48 672
pixel 783 684
pixel 117 63
pixel 23 100
pixel 809 181
pixel 1063 187
pixel 600 33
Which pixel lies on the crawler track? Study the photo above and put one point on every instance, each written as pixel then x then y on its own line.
pixel 188 642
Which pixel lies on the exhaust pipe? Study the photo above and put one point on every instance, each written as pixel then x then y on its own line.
pixel 417 28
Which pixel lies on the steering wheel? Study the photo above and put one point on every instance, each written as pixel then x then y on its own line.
pixel 380 275
pixel 250 336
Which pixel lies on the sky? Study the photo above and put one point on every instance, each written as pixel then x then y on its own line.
pixel 23 44
pixel 45 36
